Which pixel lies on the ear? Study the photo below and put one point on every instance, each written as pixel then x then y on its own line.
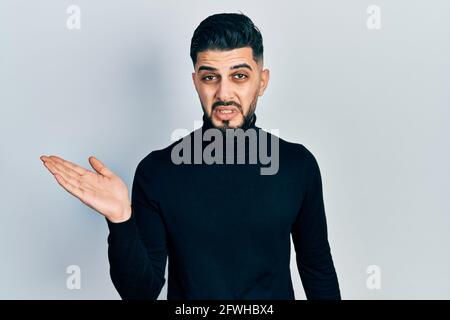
pixel 194 79
pixel 265 75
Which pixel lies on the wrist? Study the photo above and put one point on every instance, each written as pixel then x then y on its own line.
pixel 123 217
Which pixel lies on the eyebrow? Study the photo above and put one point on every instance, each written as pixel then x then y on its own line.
pixel 241 65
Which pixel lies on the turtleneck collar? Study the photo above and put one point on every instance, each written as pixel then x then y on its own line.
pixel 250 124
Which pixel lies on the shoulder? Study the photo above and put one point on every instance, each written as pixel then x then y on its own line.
pixel 295 151
pixel 155 159
pixel 159 159
pixel 296 157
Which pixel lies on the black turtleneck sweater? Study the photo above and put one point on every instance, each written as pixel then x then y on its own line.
pixel 225 228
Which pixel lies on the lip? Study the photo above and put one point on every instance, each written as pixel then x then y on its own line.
pixel 225 108
pixel 225 116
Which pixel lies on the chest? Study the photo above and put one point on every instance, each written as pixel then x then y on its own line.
pixel 212 203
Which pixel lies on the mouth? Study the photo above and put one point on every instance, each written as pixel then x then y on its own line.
pixel 225 112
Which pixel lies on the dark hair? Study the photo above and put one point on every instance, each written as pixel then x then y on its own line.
pixel 226 31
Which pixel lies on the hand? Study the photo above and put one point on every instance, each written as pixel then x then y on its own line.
pixel 101 190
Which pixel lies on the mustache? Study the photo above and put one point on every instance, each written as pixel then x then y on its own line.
pixel 226 103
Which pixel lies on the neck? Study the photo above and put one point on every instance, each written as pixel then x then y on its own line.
pixel 249 123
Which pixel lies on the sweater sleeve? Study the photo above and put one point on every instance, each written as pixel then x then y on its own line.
pixel 309 233
pixel 137 251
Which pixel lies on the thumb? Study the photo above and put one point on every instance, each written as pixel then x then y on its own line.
pixel 100 167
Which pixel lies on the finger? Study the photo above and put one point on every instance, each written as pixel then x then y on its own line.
pixel 78 169
pixel 77 192
pixel 100 167
pixel 51 166
pixel 75 181
pixel 69 172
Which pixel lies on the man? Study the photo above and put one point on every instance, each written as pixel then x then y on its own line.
pixel 224 226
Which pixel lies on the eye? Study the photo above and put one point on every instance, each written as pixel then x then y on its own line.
pixel 240 76
pixel 208 77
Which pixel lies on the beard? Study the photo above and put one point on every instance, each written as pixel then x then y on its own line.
pixel 225 124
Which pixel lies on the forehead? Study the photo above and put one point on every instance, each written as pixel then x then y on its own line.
pixel 223 60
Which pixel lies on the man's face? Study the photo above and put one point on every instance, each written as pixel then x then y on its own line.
pixel 228 84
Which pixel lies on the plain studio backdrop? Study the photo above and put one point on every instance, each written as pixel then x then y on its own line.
pixel 372 105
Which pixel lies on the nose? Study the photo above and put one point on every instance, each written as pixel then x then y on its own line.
pixel 225 91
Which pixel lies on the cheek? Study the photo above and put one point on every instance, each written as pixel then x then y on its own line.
pixel 247 95
pixel 206 95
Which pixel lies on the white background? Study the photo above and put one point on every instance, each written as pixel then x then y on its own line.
pixel 371 105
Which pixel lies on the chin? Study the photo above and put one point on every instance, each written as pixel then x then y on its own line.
pixel 235 123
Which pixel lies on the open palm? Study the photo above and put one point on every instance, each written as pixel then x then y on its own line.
pixel 101 190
